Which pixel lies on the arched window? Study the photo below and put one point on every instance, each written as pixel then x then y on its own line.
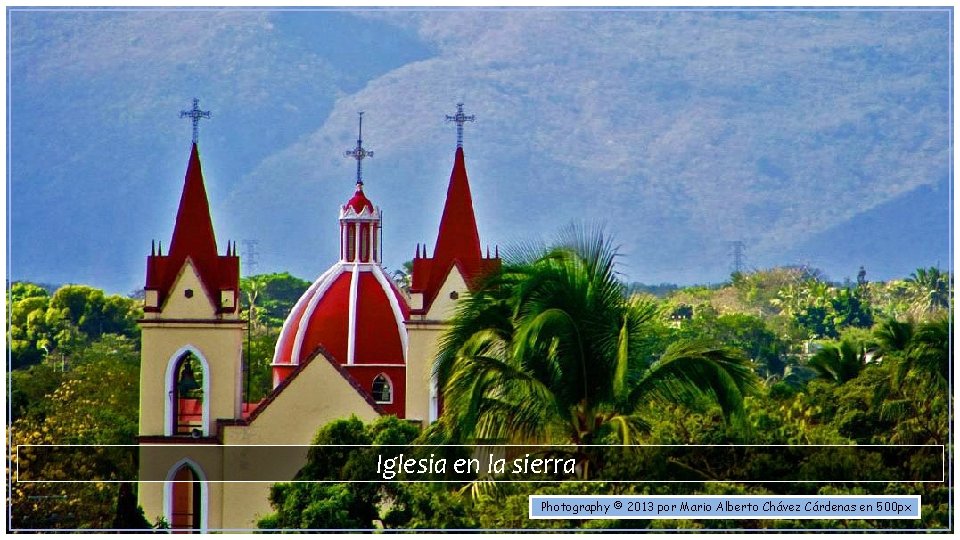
pixel 185 508
pixel 382 389
pixel 187 395
pixel 185 500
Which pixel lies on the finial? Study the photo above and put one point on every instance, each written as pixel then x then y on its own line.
pixel 459 119
pixel 488 251
pixel 496 251
pixel 159 249
pixel 153 247
pixel 359 153
pixel 195 114
pixel 417 256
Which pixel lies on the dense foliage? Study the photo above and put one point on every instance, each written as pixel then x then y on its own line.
pixel 93 402
pixel 550 349
pixel 43 325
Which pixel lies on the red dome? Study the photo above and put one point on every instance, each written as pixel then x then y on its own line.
pixel 359 202
pixel 354 313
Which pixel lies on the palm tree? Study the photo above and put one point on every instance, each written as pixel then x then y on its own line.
pixel 931 289
pixel 914 393
pixel 928 356
pixel 839 363
pixel 893 337
pixel 549 350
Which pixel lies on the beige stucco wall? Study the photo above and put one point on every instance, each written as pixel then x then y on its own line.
pixel 423 335
pixel 220 344
pixel 443 307
pixel 293 418
pixel 315 397
pixel 198 306
pixel 422 339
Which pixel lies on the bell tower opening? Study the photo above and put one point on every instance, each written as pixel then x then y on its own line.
pixel 189 395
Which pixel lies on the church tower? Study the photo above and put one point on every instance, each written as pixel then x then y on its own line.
pixel 439 280
pixel 192 333
pixel 190 360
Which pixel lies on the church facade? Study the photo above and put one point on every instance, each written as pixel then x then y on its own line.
pixel 354 344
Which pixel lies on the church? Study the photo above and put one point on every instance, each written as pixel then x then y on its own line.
pixel 353 344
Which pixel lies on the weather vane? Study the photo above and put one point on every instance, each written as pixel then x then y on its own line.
pixel 359 153
pixel 195 114
pixel 460 118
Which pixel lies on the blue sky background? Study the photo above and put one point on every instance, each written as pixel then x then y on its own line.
pixel 817 137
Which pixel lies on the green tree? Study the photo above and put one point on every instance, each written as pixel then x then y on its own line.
pixel 272 295
pixel 309 505
pixel 913 395
pixel 747 333
pixel 839 363
pixel 930 290
pixel 20 290
pixel 403 276
pixel 95 403
pixel 550 350
pixel 929 353
pixel 266 300
pixel 27 331
pixel 823 311
pixel 28 388
pixel 42 325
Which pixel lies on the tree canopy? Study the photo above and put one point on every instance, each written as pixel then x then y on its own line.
pixel 550 349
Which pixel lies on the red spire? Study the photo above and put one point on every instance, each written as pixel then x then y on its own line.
pixel 193 233
pixel 193 238
pixel 458 238
pixel 458 242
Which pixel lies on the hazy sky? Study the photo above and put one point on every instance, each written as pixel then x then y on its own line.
pixel 815 136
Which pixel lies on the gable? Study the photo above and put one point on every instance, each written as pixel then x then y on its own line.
pixel 443 305
pixel 317 395
pixel 188 298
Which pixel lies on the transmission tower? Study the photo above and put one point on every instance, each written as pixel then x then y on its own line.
pixel 737 249
pixel 250 256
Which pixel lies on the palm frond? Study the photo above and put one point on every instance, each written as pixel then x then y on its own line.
pixel 696 368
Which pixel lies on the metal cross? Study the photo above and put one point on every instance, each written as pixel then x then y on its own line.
pixel 460 118
pixel 359 153
pixel 195 114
